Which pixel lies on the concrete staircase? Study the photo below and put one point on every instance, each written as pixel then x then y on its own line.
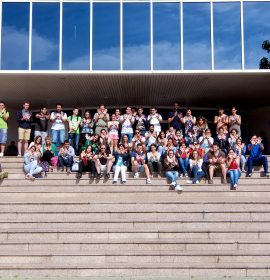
pixel 63 227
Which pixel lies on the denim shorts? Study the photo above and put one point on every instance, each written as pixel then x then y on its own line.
pixel 3 135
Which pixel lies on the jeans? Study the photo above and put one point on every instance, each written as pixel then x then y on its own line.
pixel 257 162
pixel 156 164
pixel 243 161
pixel 3 135
pixel 172 175
pixel 196 174
pixel 120 169
pixel 32 168
pixel 43 135
pixel 90 167
pixel 65 162
pixel 183 163
pixel 234 175
pixel 58 136
pixel 73 139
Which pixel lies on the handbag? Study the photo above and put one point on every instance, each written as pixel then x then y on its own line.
pixel 75 166
pixel 45 166
pixel 54 161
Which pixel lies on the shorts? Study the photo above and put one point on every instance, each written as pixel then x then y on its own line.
pixel 114 137
pixel 3 135
pixel 24 134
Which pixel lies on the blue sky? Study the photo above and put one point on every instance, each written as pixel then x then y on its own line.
pixel 136 31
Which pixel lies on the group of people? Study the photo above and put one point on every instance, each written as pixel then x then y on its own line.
pixel 134 141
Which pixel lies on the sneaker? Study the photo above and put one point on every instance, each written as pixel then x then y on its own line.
pixel 1 154
pixel 98 175
pixel 107 176
pixel 178 188
pixel 234 187
pixel 186 175
pixel 19 155
pixel 136 175
pixel 148 181
pixel 224 181
pixel 114 182
pixel 197 182
pixel 250 174
pixel 181 176
pixel 210 181
pixel 123 182
pixel 79 175
pixel 267 174
pixel 62 169
pixel 68 171
pixel 189 181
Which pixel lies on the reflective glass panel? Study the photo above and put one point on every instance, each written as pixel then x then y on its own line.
pixel 136 33
pixel 166 28
pixel 106 36
pixel 45 36
pixel 15 36
pixel 227 35
pixel 197 36
pixel 76 36
pixel 256 31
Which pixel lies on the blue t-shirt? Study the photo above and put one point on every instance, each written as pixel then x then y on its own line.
pixel 176 123
pixel 256 151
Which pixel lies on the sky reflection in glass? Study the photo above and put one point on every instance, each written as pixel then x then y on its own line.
pixel 197 37
pixel 76 36
pixel 257 30
pixel 136 36
pixel 45 36
pixel 106 36
pixel 166 30
pixel 227 35
pixel 15 36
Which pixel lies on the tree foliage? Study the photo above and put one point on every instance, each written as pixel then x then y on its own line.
pixel 264 62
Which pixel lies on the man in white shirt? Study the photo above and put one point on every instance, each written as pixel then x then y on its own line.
pixel 58 130
pixel 155 119
pixel 127 120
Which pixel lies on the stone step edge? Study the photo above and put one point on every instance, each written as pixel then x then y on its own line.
pixel 130 266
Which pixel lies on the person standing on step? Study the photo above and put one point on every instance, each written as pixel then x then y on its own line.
pixel 41 126
pixel 58 130
pixel 24 120
pixel 255 149
pixel 174 117
pixel 101 119
pixel 87 125
pixel 188 121
pixel 141 123
pixel 155 119
pixel 235 121
pixel 127 120
pixel 4 115
pixel 74 122
pixel 221 120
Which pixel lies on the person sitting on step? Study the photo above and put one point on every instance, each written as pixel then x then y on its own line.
pixel 195 163
pixel 139 163
pixel 216 162
pixel 233 164
pixel 86 163
pixel 31 160
pixel 256 158
pixel 103 161
pixel 66 156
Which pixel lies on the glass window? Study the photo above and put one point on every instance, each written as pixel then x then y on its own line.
pixel 76 36
pixel 197 36
pixel 257 30
pixel 166 28
pixel 15 36
pixel 45 36
pixel 136 33
pixel 227 35
pixel 106 36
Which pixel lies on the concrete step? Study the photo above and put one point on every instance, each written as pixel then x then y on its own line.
pixel 139 225
pixel 139 207
pixel 141 197
pixel 133 217
pixel 184 271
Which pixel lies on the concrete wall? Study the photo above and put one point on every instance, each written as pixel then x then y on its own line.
pixel 259 123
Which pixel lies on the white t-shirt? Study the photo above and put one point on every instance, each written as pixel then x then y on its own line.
pixel 126 125
pixel 58 124
pixel 155 120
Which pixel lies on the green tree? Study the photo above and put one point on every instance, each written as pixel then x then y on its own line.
pixel 264 62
